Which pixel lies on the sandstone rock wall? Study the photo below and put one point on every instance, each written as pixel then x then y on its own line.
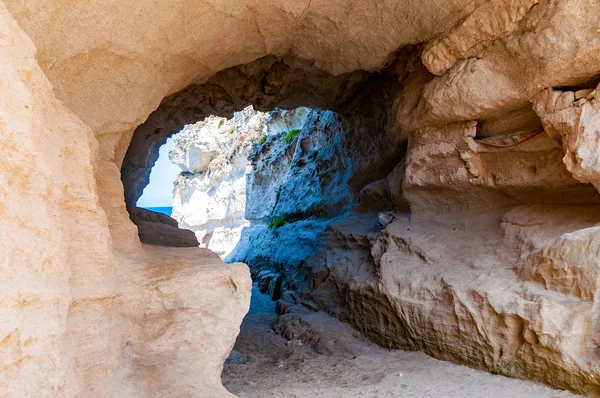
pixel 487 268
pixel 492 260
pixel 491 271
pixel 51 228
pixel 81 314
pixel 209 196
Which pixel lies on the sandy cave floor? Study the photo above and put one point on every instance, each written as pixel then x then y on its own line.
pixel 275 367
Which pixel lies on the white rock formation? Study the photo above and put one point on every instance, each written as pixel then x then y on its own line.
pixel 209 196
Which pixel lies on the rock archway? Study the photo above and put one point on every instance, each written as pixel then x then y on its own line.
pixel 265 84
pixel 361 99
pixel 90 311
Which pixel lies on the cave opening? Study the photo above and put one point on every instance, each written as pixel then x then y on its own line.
pixel 351 218
pixel 203 171
pixel 297 169
pixel 260 176
pixel 266 84
pixel 444 201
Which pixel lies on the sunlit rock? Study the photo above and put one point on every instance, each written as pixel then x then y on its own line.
pixel 209 197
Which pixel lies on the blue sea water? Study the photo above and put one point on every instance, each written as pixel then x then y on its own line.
pixel 165 210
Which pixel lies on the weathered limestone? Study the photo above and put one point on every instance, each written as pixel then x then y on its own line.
pixel 468 175
pixel 575 122
pixel 461 277
pixel 555 44
pixel 55 259
pixel 490 21
pixel 313 179
pixel 79 317
pixel 209 196
pixel 181 312
pixel 160 229
pixel 494 266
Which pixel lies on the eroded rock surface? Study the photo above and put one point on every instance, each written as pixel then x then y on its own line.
pixel 495 266
pixel 313 354
pixel 491 262
pixel 209 196
pixel 573 119
pixel 81 314
pixel 159 229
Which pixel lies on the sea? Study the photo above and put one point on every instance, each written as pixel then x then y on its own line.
pixel 165 210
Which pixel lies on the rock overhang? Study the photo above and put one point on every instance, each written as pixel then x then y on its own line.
pixel 111 68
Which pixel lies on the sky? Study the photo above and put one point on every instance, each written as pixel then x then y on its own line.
pixel 158 193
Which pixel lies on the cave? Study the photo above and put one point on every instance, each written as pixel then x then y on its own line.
pixel 439 207
pixel 357 102
pixel 315 242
